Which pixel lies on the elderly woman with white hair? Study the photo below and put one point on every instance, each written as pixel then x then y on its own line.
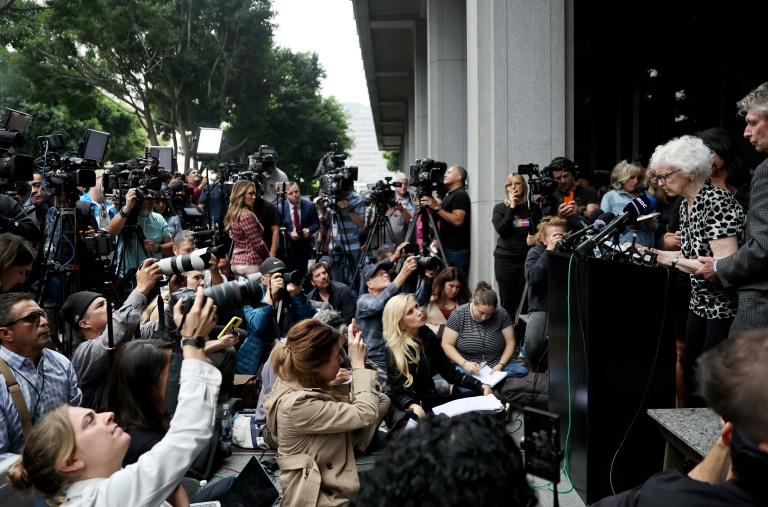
pixel 626 180
pixel 712 225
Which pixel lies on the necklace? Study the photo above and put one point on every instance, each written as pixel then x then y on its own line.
pixel 477 329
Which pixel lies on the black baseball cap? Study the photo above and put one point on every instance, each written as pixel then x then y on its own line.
pixel 271 265
pixel 376 267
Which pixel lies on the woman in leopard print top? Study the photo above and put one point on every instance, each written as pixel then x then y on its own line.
pixel 712 225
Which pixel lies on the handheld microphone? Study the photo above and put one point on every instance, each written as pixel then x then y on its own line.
pixel 595 215
pixel 640 205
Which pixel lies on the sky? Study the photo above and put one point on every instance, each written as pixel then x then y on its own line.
pixel 328 28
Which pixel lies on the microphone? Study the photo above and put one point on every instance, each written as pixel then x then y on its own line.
pixel 576 222
pixel 570 238
pixel 595 215
pixel 640 205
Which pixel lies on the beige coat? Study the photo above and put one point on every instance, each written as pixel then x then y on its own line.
pixel 314 432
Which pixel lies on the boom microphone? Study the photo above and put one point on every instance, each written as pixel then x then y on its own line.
pixel 640 205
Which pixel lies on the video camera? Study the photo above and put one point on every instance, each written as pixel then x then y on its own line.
pixel 541 183
pixel 263 160
pixel 427 176
pixel 382 194
pixel 65 173
pixel 335 176
pixel 141 173
pixel 14 168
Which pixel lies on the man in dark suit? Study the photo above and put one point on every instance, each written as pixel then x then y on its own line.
pixel 300 219
pixel 747 269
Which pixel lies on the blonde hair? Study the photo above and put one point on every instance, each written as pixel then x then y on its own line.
pixel 237 204
pixel 544 225
pixel 624 170
pixel 402 345
pixel 510 179
pixel 51 442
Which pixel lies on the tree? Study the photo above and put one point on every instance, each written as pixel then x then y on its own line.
pixel 15 5
pixel 393 160
pixel 68 112
pixel 176 64
pixel 301 123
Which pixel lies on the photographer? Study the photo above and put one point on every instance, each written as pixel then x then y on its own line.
pixel 575 199
pixel 351 213
pixel 213 201
pixel 14 219
pixel 377 290
pixel 454 214
pixel 272 175
pixel 338 295
pixel 151 238
pixel 196 182
pixel 285 305
pixel 87 313
pixel 184 243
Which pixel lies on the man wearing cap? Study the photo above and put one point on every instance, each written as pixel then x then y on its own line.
pixel 86 312
pixel 376 291
pixel 273 320
pixel 45 377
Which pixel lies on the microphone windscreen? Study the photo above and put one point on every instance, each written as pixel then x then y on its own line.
pixel 641 205
pixel 573 223
pixel 599 224
pixel 607 217
pixel 595 215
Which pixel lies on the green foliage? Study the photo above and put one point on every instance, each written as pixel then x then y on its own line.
pixel 393 160
pixel 178 65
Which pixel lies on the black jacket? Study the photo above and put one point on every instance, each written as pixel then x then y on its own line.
pixel 340 300
pixel 432 360
pixel 14 219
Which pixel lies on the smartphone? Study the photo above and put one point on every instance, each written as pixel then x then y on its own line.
pixel 541 444
pixel 567 197
pixel 232 324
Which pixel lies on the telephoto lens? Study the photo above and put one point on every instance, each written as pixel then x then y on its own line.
pixel 428 262
pixel 198 260
pixel 228 297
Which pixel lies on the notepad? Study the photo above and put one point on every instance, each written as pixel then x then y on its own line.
pixel 473 404
pixel 489 377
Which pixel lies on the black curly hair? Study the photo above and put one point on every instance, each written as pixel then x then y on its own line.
pixel 449 461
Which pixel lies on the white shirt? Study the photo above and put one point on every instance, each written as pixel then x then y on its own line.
pixel 149 481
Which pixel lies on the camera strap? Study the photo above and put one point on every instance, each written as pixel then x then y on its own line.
pixel 18 398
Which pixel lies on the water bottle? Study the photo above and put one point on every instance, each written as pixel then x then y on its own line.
pixel 225 430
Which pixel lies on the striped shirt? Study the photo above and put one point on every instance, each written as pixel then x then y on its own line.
pixel 51 383
pixel 480 341
pixel 345 233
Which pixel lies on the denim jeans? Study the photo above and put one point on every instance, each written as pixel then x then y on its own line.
pixel 511 369
pixel 458 259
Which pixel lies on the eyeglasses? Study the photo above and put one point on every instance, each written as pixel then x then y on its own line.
pixel 662 178
pixel 32 318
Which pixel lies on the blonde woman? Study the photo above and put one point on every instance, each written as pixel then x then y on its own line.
pixel 414 356
pixel 537 275
pixel 245 229
pixel 626 180
pixel 511 219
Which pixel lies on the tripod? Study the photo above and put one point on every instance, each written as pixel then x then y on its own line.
pixel 59 261
pixel 380 230
pixel 424 217
pixel 341 253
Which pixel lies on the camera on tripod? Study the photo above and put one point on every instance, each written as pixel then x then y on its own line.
pixel 102 243
pixel 427 176
pixel 541 183
pixel 335 176
pixel 382 194
pixel 65 173
pixel 141 173
pixel 262 161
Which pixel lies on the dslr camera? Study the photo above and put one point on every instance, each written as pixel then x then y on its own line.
pixel 228 297
pixel 427 176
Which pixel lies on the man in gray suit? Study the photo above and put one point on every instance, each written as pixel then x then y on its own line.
pixel 747 269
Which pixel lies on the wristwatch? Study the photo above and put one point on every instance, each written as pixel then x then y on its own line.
pixel 198 342
pixel 123 213
pixel 673 263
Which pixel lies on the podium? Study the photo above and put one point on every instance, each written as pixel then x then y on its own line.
pixel 610 360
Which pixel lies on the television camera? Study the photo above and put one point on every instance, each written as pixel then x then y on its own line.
pixel 543 186
pixel 335 176
pixel 427 176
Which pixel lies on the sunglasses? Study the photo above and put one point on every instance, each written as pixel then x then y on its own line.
pixel 32 318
